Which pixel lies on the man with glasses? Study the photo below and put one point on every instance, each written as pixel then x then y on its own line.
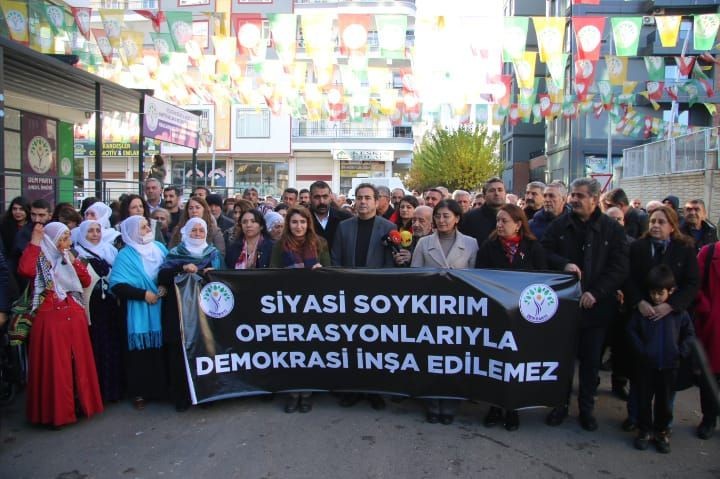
pixel 696 224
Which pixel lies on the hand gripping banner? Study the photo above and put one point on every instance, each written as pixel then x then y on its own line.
pixel 507 338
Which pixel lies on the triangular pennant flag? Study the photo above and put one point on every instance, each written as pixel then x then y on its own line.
pixel 616 69
pixel 606 93
pixel 685 64
pixel 514 37
pixel 391 30
pixel 180 27
pixel 545 105
pixel 16 16
pixel 556 67
pixel 655 68
pixel 525 69
pixel 156 18
pixel 103 43
pixel 283 28
pixel 550 32
pixel 668 28
pixel 693 91
pixel 353 32
pixel 626 34
pixel 589 35
pixel 248 29
pixel 163 45
pixel 82 20
pixel 112 20
pixel 705 28
pixel 56 18
pixel 711 108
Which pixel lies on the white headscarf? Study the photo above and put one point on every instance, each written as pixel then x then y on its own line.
pixel 272 218
pixel 194 246
pixel 151 255
pixel 103 249
pixel 102 215
pixel 62 273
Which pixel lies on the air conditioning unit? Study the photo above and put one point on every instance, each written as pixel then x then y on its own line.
pixel 658 11
pixel 648 20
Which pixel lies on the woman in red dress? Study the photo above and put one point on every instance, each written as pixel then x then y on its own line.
pixel 61 366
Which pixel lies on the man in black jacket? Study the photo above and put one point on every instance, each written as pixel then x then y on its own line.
pixel 696 225
pixel 326 217
pixel 636 221
pixel 592 246
pixel 480 222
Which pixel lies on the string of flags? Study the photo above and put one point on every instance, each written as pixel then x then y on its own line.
pixel 318 66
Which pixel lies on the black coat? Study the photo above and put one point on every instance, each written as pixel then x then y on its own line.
pixel 602 257
pixel 680 258
pixel 263 255
pixel 224 223
pixel 336 216
pixel 4 283
pixel 479 223
pixel 530 256
pixel 708 234
pixel 659 344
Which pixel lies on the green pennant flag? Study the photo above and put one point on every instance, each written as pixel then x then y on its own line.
pixel 655 68
pixel 391 30
pixel 37 21
pixel 626 34
pixel 163 45
pixel 527 96
pixel 556 66
pixel 705 28
pixel 514 37
pixel 536 114
pixel 56 18
pixel 606 92
pixel 180 27
pixel 693 89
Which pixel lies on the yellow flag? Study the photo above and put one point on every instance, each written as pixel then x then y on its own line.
pixel 112 20
pixel 132 44
pixel 668 27
pixel 712 108
pixel 16 16
pixel 616 69
pixel 525 70
pixel 628 87
pixel 550 35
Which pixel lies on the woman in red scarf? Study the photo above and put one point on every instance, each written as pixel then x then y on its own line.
pixel 299 247
pixel 511 246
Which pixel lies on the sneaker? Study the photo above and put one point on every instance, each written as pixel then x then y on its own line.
pixel 493 417
pixel 662 442
pixel 642 441
pixel 629 425
pixel 556 416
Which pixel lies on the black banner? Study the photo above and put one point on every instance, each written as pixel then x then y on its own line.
pixel 507 338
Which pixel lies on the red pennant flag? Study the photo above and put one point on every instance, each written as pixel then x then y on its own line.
pixel 248 28
pixel 672 91
pixel 82 17
pixel 103 44
pixel 654 89
pixel 589 35
pixel 584 77
pixel 598 108
pixel 353 33
pixel 685 64
pixel 155 17
pixel 545 105
pixel 514 115
pixel 504 98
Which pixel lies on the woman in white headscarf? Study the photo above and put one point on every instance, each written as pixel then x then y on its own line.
pixel 275 223
pixel 101 213
pixel 192 255
pixel 61 366
pixel 134 280
pixel 107 331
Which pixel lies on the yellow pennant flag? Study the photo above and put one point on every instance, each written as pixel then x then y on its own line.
pixel 132 44
pixel 16 16
pixel 525 69
pixel 669 28
pixel 616 69
pixel 628 87
pixel 711 108
pixel 550 33
pixel 112 21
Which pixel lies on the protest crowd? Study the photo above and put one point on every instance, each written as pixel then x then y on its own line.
pixel 100 321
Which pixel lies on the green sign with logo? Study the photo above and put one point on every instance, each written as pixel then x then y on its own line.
pixel 65 162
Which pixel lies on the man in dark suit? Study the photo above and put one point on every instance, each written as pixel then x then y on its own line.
pixel 636 221
pixel 358 244
pixel 326 217
pixel 480 222
pixel 358 240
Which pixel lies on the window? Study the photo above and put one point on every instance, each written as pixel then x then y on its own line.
pixel 681 119
pixel 252 123
pixel 269 178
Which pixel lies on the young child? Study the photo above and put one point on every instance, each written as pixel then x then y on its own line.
pixel 658 344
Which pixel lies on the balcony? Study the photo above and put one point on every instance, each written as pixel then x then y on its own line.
pixel 655 6
pixel 321 135
pixel 406 7
pixel 344 131
pixel 693 152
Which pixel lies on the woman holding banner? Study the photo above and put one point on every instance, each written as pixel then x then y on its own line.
pixel 134 281
pixel 192 255
pixel 253 246
pixel 299 247
pixel 445 248
pixel 197 207
pixel 512 246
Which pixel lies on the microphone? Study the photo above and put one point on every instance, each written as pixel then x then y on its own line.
pixel 392 240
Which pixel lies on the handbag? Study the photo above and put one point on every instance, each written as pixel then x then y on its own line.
pixel 21 318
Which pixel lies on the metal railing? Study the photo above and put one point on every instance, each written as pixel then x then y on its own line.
pixel 350 132
pixel 692 152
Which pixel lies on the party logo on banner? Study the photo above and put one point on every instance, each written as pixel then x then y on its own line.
pixel 216 300
pixel 538 303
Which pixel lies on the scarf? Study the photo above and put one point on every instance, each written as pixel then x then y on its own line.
pixel 299 255
pixel 179 256
pixel 248 259
pixel 510 246
pixel 194 246
pixel 54 268
pixel 144 329
pixel 102 215
pixel 102 249
pixel 151 254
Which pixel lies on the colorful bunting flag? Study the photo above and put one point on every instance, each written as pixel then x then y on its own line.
pixel 103 43
pixel 705 29
pixel 514 37
pixel 180 27
pixel 156 18
pixel 283 28
pixel 626 35
pixel 112 20
pixel 392 32
pixel 616 69
pixel 550 32
pixel 525 69
pixel 16 16
pixel 668 28
pixel 589 35
pixel 82 20
pixel 655 68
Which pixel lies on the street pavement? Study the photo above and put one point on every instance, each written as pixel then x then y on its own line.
pixel 251 438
